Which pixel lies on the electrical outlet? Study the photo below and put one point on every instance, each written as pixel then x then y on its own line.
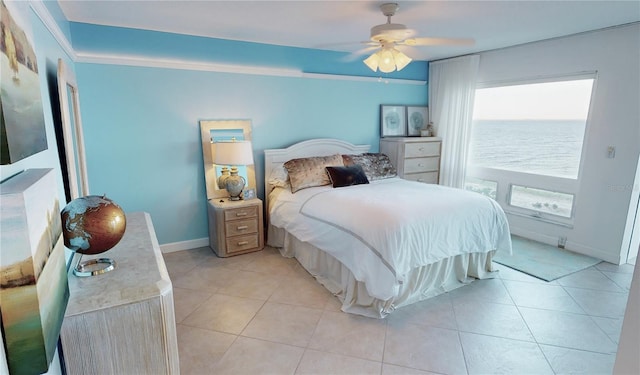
pixel 611 152
pixel 562 241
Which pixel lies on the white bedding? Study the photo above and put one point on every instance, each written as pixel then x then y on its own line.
pixel 383 230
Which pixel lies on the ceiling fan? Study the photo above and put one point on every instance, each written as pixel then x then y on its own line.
pixel 386 37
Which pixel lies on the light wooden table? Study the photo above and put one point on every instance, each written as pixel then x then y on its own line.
pixel 123 321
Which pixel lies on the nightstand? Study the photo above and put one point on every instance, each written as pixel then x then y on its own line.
pixel 235 227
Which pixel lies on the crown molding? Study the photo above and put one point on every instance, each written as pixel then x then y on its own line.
pixel 364 79
pixel 47 19
pixel 149 62
pixel 145 61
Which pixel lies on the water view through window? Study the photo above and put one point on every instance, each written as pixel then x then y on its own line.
pixel 546 147
pixel 532 129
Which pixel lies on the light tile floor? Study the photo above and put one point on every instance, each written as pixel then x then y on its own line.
pixel 261 313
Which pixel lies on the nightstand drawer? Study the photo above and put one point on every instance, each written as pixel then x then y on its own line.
pixel 236 227
pixel 427 178
pixel 421 165
pixel 241 243
pixel 240 213
pixel 416 150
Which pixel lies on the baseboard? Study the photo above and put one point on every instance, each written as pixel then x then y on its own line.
pixel 535 236
pixel 570 245
pixel 184 245
pixel 593 252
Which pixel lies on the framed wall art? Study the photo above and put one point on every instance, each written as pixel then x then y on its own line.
pixel 393 121
pixel 33 277
pixel 417 120
pixel 22 132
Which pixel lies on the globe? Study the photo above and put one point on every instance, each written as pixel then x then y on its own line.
pixel 92 224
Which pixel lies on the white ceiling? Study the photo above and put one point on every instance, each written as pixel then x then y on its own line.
pixel 340 25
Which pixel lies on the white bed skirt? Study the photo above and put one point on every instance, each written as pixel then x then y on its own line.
pixel 422 283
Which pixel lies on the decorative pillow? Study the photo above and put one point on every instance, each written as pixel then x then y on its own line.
pixel 376 166
pixel 347 176
pixel 309 172
pixel 279 177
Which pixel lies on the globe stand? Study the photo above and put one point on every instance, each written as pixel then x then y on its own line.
pixel 93 267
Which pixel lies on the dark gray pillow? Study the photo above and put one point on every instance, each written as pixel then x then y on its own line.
pixel 347 176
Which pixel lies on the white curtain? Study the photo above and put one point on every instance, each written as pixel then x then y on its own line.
pixel 452 87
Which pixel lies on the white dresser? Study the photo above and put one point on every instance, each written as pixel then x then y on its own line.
pixel 415 158
pixel 123 321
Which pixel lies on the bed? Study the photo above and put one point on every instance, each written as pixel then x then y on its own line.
pixel 376 241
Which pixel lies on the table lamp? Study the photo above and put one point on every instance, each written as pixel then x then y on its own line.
pixel 232 154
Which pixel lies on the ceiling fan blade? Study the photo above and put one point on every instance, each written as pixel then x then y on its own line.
pixel 330 46
pixel 438 42
pixel 357 54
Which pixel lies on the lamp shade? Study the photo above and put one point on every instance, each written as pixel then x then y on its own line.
pixel 234 153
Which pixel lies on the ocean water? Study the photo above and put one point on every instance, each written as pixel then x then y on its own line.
pixel 546 147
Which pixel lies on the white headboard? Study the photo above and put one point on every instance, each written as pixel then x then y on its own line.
pixel 314 147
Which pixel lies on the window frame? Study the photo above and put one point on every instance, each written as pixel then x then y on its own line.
pixel 506 178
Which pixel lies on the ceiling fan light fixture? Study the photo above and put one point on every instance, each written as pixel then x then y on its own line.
pixel 401 60
pixel 387 60
pixel 372 61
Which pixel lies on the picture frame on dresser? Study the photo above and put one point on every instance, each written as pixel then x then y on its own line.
pixel 249 194
pixel 417 120
pixel 393 121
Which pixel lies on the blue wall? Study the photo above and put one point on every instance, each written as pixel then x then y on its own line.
pixel 141 123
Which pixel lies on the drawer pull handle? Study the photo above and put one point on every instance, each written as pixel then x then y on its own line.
pixel 420 180
pixel 241 214
pixel 420 165
pixel 243 243
pixel 242 227
pixel 421 149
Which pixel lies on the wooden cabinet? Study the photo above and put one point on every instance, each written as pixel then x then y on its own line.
pixel 235 227
pixel 415 158
pixel 123 321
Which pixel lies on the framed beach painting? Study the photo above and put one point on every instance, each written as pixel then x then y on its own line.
pixel 417 120
pixel 33 280
pixel 393 121
pixel 22 132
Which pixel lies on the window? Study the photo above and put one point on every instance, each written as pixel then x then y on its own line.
pixel 554 203
pixel 479 185
pixel 528 139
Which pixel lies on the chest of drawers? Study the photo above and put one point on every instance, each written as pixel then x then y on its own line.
pixel 235 227
pixel 415 158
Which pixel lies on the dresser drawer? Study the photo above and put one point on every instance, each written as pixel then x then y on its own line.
pixel 241 243
pixel 236 227
pixel 418 149
pixel 427 178
pixel 240 213
pixel 421 165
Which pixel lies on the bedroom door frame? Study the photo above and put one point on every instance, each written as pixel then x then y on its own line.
pixel 631 237
pixel 77 180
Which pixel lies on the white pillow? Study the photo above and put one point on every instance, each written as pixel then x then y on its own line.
pixel 279 177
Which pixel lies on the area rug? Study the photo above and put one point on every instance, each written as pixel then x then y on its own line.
pixel 544 261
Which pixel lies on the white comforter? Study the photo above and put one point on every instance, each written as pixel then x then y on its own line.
pixel 382 230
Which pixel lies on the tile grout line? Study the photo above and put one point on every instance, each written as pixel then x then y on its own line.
pixel 529 328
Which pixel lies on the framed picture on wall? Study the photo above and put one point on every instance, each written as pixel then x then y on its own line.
pixel 393 121
pixel 417 120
